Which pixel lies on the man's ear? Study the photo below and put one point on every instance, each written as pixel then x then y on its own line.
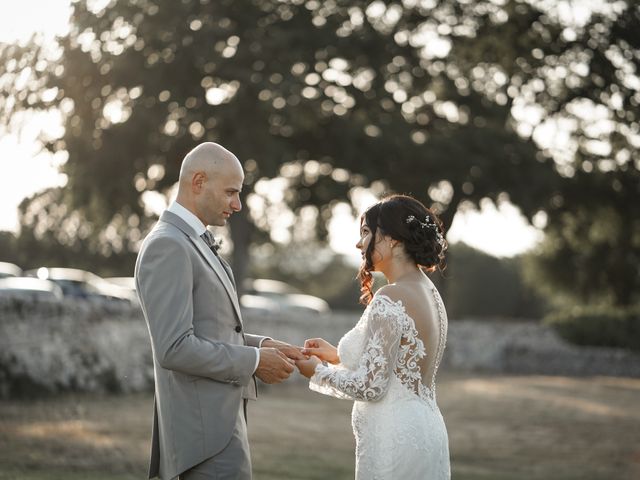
pixel 197 182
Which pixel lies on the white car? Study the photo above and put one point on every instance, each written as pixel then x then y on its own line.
pixel 29 288
pixel 275 296
pixel 9 270
pixel 82 284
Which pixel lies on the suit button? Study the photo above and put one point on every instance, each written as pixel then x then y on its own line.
pixel 238 328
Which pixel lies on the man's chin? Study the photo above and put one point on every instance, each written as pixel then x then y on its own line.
pixel 218 222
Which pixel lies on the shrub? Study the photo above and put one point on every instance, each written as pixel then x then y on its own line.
pixel 477 284
pixel 599 326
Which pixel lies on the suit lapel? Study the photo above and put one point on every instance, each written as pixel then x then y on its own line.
pixel 227 268
pixel 220 272
pixel 208 255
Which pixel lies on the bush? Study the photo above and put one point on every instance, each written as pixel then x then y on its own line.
pixel 476 284
pixel 599 326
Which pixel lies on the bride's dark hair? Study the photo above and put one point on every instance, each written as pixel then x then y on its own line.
pixel 407 220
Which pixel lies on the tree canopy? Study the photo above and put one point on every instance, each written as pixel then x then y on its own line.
pixel 451 101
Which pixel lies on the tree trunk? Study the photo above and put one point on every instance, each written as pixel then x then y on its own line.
pixel 446 218
pixel 241 234
pixel 623 283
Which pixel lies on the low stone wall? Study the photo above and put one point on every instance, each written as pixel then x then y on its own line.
pixel 76 346
pixel 530 348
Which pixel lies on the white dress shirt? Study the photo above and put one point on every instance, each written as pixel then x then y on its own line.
pixel 199 227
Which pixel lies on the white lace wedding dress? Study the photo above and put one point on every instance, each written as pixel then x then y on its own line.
pixel 386 369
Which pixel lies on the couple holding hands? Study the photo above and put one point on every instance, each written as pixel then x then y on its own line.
pixel 205 364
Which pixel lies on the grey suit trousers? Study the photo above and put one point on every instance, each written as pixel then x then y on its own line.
pixel 232 463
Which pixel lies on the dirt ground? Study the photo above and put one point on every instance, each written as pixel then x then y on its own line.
pixel 500 427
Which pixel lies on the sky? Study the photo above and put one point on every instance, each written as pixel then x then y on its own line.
pixel 499 230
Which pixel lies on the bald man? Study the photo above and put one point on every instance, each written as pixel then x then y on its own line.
pixel 204 362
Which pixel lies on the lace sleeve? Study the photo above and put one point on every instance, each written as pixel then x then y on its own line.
pixel 371 379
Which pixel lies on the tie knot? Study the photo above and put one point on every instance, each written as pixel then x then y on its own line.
pixel 210 240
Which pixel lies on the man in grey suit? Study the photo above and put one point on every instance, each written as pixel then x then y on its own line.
pixel 204 362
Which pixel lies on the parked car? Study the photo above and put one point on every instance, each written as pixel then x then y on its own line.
pixel 274 296
pixel 124 282
pixel 9 270
pixel 82 284
pixel 127 283
pixel 29 288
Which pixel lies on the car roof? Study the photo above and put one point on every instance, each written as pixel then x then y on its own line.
pixel 266 285
pixel 28 283
pixel 11 268
pixel 128 282
pixel 57 273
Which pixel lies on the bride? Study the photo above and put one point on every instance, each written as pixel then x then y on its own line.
pixel 388 362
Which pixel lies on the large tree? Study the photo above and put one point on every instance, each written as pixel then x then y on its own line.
pixel 589 91
pixel 423 97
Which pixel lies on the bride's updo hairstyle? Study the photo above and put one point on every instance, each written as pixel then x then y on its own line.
pixel 408 221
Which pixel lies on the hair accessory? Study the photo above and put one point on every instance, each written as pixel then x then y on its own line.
pixel 429 224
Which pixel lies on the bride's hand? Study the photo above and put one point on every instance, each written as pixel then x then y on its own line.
pixel 321 349
pixel 308 366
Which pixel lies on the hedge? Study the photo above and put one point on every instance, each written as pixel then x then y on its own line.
pixel 599 326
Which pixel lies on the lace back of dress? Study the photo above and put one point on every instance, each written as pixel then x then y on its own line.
pixel 417 366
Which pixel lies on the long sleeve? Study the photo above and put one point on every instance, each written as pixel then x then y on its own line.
pixel 370 381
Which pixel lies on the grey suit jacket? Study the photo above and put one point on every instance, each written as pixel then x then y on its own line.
pixel 203 361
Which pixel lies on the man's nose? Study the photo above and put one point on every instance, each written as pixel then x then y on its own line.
pixel 236 204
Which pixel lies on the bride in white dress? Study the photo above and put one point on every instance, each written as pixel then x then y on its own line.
pixel 388 362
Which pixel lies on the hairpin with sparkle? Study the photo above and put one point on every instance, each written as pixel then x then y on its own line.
pixel 429 224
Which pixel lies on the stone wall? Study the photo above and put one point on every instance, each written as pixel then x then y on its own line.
pixel 530 348
pixel 76 346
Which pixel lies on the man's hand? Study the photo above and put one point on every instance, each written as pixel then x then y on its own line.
pixel 291 351
pixel 274 366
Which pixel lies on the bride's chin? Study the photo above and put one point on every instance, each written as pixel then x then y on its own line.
pixel 372 269
pixel 363 265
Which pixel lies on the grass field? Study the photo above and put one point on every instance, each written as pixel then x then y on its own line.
pixel 500 428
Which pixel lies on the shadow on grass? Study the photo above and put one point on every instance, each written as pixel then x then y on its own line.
pixel 500 428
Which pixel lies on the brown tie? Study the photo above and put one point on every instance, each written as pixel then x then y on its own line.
pixel 210 240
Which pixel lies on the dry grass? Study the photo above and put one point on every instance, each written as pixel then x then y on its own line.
pixel 500 428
